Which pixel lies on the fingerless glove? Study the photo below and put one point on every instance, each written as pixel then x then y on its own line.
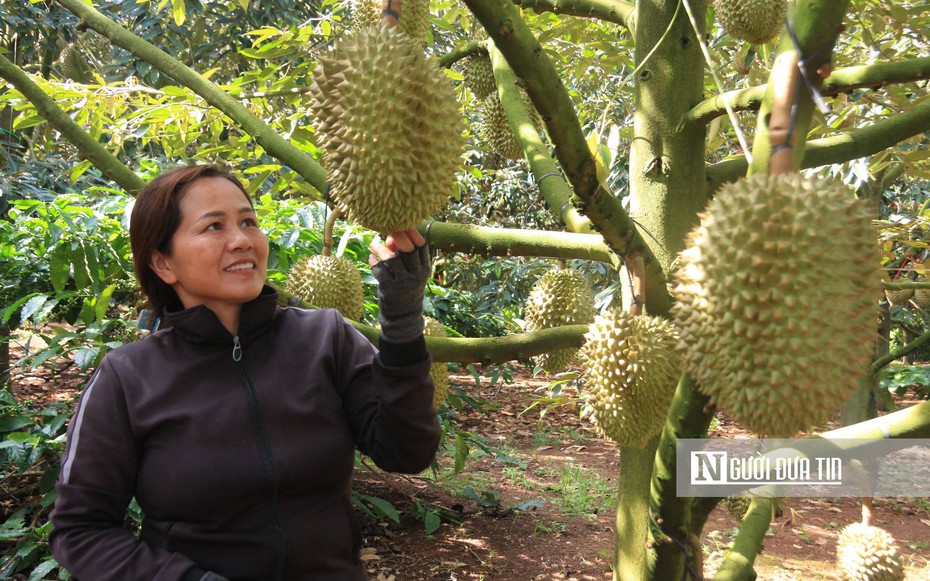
pixel 401 284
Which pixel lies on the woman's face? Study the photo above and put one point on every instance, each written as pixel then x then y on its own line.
pixel 218 254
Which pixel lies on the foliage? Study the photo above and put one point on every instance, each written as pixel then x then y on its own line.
pixel 903 378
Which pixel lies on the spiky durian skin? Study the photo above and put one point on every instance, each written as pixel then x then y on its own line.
pixel 922 297
pixel 868 553
pixel 365 13
pixel 898 296
pixel 478 76
pixel 560 297
pixel 765 335
pixel 438 371
pixel 755 21
pixel 632 368
pixel 329 282
pixel 390 129
pixel 414 20
pixel 496 131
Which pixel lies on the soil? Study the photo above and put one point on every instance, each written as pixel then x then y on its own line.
pixel 538 501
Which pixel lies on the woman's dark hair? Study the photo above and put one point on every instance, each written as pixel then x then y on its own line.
pixel 155 217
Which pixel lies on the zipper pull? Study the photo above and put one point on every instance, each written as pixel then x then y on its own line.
pixel 237 349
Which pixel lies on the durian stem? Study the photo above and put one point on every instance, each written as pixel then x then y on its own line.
pixel 560 264
pixel 390 12
pixel 328 232
pixel 637 270
pixel 786 82
pixel 865 484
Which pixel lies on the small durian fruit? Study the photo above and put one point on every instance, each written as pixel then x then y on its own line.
pixel 389 126
pixel 414 20
pixel 478 76
pixel 365 13
pixel 632 370
pixel 868 553
pixel 922 296
pixel 898 296
pixel 560 297
pixel 765 335
pixel 737 506
pixel 328 282
pixel 74 65
pixel 755 21
pixel 496 131
pixel 438 371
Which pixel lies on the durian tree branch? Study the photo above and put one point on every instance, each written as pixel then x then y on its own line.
pixel 483 350
pixel 502 20
pixel 841 81
pixel 909 285
pixel 816 25
pixel 689 416
pixel 265 136
pixel 884 360
pixel 615 11
pixel 552 185
pixel 458 53
pixel 737 565
pixel 839 148
pixel 488 241
pixel 88 147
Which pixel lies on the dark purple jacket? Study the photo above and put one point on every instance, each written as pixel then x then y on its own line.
pixel 239 450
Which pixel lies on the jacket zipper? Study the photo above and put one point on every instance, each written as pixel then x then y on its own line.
pixel 266 454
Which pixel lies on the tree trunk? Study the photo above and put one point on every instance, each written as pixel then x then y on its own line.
pixel 667 192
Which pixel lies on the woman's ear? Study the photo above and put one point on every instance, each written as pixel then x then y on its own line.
pixel 162 267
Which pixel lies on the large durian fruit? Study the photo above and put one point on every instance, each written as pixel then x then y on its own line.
pixel 632 368
pixel 414 20
pixel 755 21
pixel 898 296
pixel 389 127
pixel 868 553
pixel 365 13
pixel 765 334
pixel 560 297
pixel 328 282
pixel 74 64
pixel 438 371
pixel 922 296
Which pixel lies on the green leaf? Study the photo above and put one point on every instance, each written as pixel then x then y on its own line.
pixel 431 522
pixel 461 453
pixel 11 423
pixel 32 305
pixel 79 170
pixel 8 312
pixel 86 357
pixel 103 302
pixel 43 569
pixel 60 267
pixel 384 507
pixel 179 11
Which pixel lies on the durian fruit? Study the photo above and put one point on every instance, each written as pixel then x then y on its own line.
pixel 632 370
pixel 328 282
pixel 74 65
pixel 478 76
pixel 365 13
pixel 765 335
pixel 389 127
pixel 438 371
pixel 922 297
pixel 898 296
pixel 868 553
pixel 560 297
pixel 737 506
pixel 414 20
pixel 496 131
pixel 755 21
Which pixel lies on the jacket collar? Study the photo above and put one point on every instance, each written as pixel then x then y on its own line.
pixel 201 326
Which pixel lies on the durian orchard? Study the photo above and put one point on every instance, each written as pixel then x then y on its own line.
pixel 751 288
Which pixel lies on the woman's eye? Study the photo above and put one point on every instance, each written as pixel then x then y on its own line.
pixel 215 226
pixel 250 222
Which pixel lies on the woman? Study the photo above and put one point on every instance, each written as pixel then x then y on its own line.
pixel 235 427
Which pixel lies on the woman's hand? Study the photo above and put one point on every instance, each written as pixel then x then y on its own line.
pixel 402 266
pixel 400 241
